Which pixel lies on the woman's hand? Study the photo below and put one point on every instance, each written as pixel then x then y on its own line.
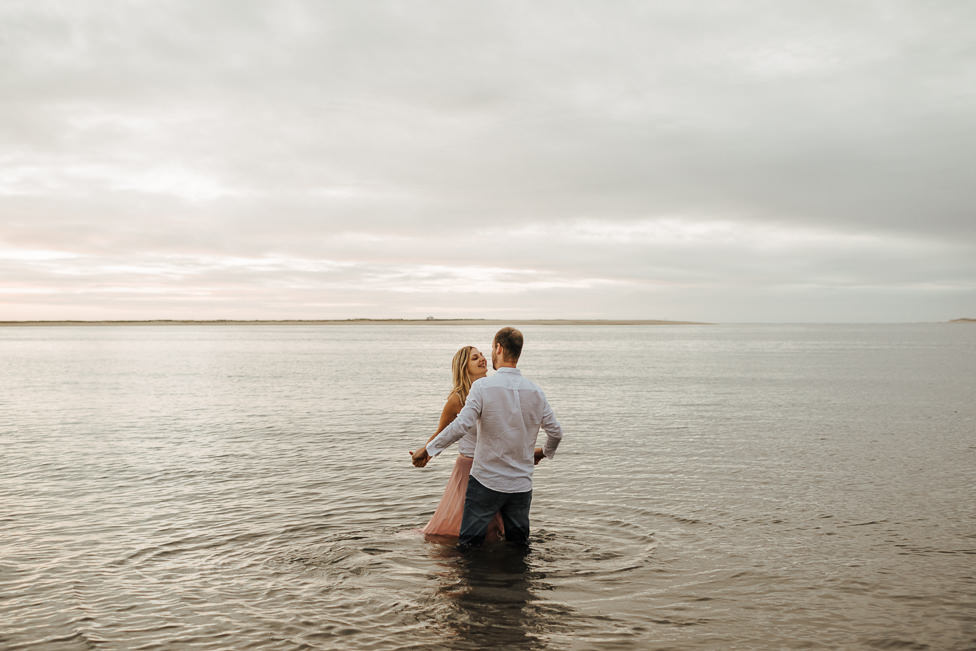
pixel 539 455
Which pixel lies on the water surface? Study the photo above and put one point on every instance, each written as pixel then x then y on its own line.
pixel 723 486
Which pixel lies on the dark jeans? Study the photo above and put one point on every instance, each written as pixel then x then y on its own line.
pixel 480 506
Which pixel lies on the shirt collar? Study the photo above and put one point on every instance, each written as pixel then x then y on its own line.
pixel 509 369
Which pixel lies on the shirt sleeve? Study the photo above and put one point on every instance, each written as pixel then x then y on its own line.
pixel 465 423
pixel 554 432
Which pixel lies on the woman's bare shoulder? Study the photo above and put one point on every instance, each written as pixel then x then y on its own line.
pixel 453 401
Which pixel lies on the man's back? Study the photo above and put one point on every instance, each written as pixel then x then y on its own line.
pixel 511 409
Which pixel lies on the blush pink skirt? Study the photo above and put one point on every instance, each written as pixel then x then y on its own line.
pixel 446 520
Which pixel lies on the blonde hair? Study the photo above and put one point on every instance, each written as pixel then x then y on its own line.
pixel 459 373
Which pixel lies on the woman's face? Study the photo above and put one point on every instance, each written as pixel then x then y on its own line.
pixel 477 364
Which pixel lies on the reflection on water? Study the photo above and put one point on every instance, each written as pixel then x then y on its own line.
pixel 489 598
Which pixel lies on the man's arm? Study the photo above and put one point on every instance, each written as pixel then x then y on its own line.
pixel 466 422
pixel 554 433
pixel 451 409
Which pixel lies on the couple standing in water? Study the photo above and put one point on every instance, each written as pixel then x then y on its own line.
pixel 497 420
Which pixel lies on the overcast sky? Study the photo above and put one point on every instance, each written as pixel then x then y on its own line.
pixel 717 161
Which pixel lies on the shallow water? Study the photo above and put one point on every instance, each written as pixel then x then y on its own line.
pixel 722 486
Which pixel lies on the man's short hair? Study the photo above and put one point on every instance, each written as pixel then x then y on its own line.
pixel 511 342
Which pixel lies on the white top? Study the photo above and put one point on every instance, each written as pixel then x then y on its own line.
pixel 511 410
pixel 467 443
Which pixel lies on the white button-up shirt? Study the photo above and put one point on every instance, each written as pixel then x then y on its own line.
pixel 511 410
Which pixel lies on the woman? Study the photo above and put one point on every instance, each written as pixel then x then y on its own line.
pixel 467 366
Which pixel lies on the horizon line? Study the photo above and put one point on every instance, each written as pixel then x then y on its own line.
pixel 350 321
pixel 430 321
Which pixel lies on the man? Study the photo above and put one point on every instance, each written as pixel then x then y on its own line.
pixel 511 410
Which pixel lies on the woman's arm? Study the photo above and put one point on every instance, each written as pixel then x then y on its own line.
pixel 465 421
pixel 448 414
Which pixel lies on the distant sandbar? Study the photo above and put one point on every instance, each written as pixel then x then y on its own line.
pixel 307 322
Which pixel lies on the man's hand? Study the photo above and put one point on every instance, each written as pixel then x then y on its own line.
pixel 420 457
pixel 539 456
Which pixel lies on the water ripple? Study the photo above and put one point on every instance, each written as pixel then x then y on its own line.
pixel 249 488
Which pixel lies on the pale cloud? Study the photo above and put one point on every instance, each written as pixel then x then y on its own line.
pixel 751 161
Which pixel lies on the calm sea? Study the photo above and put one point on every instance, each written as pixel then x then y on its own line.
pixel 718 487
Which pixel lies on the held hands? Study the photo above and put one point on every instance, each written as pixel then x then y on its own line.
pixel 420 457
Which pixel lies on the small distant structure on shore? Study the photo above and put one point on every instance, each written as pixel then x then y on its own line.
pixel 430 318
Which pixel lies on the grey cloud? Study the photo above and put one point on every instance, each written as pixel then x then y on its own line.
pixel 589 108
pixel 416 133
